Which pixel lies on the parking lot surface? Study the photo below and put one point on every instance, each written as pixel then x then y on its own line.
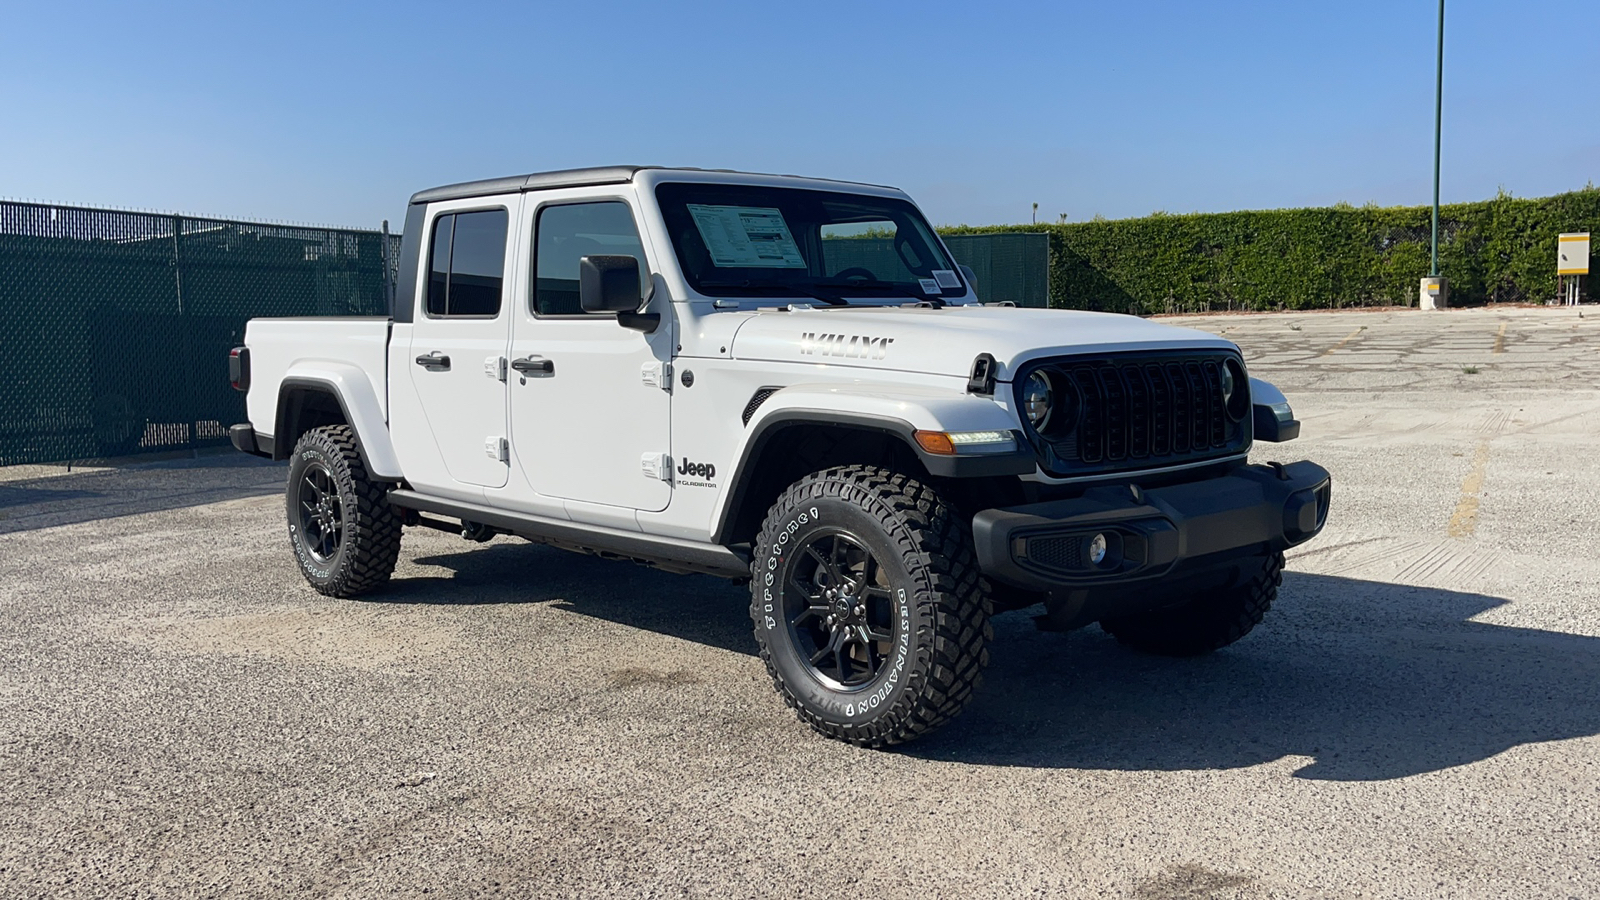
pixel 180 715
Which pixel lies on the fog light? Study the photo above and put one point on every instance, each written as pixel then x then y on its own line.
pixel 1097 549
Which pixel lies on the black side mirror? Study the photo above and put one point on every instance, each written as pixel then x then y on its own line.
pixel 609 284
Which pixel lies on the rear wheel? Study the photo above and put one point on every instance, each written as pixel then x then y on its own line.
pixel 345 535
pixel 1209 621
pixel 867 605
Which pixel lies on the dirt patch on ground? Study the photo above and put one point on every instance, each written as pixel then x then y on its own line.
pixel 633 676
pixel 1192 881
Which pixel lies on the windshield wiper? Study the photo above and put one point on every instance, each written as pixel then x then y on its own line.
pixel 767 284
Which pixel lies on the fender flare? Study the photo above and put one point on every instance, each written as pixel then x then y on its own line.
pixel 898 414
pixel 353 391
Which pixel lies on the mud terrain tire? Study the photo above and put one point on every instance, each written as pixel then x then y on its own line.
pixel 345 535
pixel 868 606
pixel 1208 622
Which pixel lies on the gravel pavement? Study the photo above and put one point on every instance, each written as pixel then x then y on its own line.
pixel 1418 717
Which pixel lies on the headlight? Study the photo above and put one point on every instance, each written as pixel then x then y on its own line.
pixel 1234 398
pixel 1037 399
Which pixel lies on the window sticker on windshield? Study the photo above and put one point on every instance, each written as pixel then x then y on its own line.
pixel 747 237
pixel 929 286
pixel 946 278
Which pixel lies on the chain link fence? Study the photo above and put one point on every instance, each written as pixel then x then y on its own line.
pixel 1009 266
pixel 115 326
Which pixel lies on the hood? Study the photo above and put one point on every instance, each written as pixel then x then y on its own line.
pixel 945 341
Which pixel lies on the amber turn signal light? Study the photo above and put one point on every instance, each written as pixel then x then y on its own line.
pixel 936 442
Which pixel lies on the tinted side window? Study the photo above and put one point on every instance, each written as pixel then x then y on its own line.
pixel 468 263
pixel 568 233
pixel 439 268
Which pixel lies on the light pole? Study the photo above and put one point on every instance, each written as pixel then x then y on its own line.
pixel 1438 118
pixel 1434 291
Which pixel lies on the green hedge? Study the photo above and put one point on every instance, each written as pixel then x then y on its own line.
pixel 1500 250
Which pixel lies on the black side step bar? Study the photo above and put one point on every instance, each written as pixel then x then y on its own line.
pixel 669 554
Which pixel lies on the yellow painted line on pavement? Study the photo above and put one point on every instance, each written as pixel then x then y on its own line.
pixel 1465 520
pixel 1500 339
pixel 1347 339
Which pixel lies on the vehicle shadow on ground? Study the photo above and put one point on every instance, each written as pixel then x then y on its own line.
pixel 1369 679
pixel 696 608
pixel 132 488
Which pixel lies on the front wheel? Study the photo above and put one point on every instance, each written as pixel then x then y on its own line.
pixel 868 605
pixel 1210 621
pixel 345 535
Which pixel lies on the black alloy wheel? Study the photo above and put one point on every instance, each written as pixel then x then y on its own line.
pixel 840 612
pixel 868 606
pixel 321 513
pixel 344 533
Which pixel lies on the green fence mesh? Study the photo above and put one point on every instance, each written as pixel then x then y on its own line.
pixel 1010 266
pixel 115 326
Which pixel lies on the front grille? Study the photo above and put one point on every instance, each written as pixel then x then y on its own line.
pixel 1138 412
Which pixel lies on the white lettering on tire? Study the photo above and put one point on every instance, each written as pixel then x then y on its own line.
pixel 776 557
pixel 894 678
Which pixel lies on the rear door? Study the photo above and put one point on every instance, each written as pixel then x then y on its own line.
pixel 458 342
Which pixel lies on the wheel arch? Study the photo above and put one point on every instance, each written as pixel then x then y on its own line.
pixel 814 439
pixel 330 396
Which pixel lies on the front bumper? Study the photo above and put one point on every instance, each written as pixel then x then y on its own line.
pixel 1150 533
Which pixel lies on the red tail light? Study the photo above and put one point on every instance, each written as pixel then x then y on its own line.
pixel 239 368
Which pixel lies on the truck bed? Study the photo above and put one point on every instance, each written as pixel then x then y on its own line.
pixel 356 346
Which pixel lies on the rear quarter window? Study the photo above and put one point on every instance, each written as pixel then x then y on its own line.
pixel 466 271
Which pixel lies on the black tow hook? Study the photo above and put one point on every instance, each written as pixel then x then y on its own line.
pixel 1278 468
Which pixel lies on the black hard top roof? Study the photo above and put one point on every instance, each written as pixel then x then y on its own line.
pixel 558 179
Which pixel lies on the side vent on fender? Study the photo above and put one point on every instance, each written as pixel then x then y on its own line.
pixel 756 399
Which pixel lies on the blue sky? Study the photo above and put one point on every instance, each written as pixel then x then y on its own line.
pixel 334 113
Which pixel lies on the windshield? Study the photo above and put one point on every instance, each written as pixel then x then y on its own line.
pixel 745 241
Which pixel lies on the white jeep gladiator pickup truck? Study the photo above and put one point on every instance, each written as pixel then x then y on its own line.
pixel 787 382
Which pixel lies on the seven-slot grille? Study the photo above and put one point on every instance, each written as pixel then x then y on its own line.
pixel 1138 412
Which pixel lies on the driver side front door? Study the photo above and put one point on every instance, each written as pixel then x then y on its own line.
pixel 590 401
